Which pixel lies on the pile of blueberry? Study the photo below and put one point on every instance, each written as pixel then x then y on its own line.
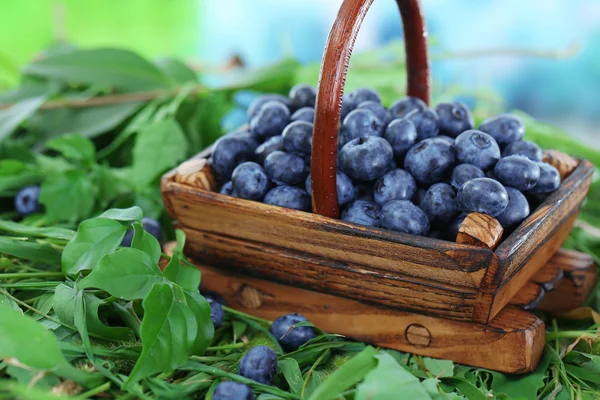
pixel 259 363
pixel 408 168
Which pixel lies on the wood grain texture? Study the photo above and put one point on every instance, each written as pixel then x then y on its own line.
pixel 480 230
pixel 334 67
pixel 564 163
pixel 511 343
pixel 198 173
pixel 549 276
pixel 529 296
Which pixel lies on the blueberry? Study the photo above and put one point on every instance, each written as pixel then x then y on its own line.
pixel 286 168
pixel 247 136
pixel 378 109
pixel 27 201
pixel 463 173
pixel 213 297
pixel 227 189
pixel 259 364
pixel 347 105
pixel 260 101
pixel 306 114
pixel 404 106
pixel 150 225
pixel 516 211
pixel 477 148
pixel 524 148
pixel 232 391
pixel 290 340
pixel 426 122
pixel 216 314
pixel 366 158
pixel 402 135
pixel 250 181
pixel 228 153
pixel 289 197
pixel 362 212
pixel 302 95
pixel 549 180
pixel 404 216
pixel 396 184
pixel 270 120
pixel 455 118
pixel 364 191
pixel 445 138
pixel 439 204
pixel 518 172
pixel 272 144
pixel 297 137
pixel 360 123
pixel 419 196
pixel 483 195
pixel 364 94
pixel 127 239
pixel 505 129
pixel 430 161
pixel 344 185
pixel 454 226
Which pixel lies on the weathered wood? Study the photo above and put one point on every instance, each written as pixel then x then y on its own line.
pixel 529 297
pixel 198 173
pixel 511 343
pixel 480 230
pixel 579 281
pixel 549 276
pixel 564 163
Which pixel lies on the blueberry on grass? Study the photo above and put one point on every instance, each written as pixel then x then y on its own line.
pixel 270 120
pixel 259 364
pixel 516 211
pixel 402 135
pixel 360 123
pixel 288 197
pixel 455 118
pixel 366 158
pixel 27 200
pixel 344 185
pixel 430 161
pixel 362 212
pixel 228 153
pixel 426 122
pixel 216 314
pixel 477 148
pixel 463 173
pixel 297 137
pixel 150 225
pixel 524 148
pixel 518 172
pixel 250 181
pixel 306 114
pixel 260 101
pixel 378 109
pixel 483 195
pixel 439 204
pixel 286 168
pixel 302 95
pixel 232 391
pixel 404 216
pixel 404 106
pixel 549 180
pixel 270 145
pixel 291 338
pixel 396 184
pixel 364 94
pixel 505 128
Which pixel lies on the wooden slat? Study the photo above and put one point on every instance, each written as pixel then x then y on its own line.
pixel 529 297
pixel 549 275
pixel 480 230
pixel 511 343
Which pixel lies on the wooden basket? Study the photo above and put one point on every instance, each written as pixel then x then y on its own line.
pixel 412 293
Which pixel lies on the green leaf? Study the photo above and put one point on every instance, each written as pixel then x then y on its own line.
pixel 204 325
pixel 74 147
pixel 122 69
pixel 43 304
pixel 145 242
pixel 127 273
pixel 68 197
pixel 168 332
pixel 467 388
pixel 352 372
pixel 439 368
pixel 521 387
pixel 27 341
pixel 15 228
pixel 157 148
pixel 9 303
pixel 64 306
pixel 389 379
pixel 112 184
pixel 12 117
pixel 292 374
pixel 29 250
pixel 94 239
pixel 186 276
pixel 123 214
pixel 177 71
pixel 15 174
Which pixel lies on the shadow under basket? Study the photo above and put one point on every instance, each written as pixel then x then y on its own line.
pixel 465 301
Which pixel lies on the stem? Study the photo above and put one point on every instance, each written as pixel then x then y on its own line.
pixel 35 310
pixel 312 370
pixel 26 275
pixel 568 335
pixel 247 316
pixel 227 347
pixel 102 388
pixel 130 320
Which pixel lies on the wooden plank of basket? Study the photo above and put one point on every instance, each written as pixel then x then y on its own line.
pixel 331 89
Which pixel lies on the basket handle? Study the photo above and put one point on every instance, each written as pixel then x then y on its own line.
pixel 334 67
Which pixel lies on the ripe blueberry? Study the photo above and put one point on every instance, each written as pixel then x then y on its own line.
pixel 272 144
pixel 404 106
pixel 516 211
pixel 483 195
pixel 505 129
pixel 455 118
pixel 362 212
pixel 463 173
pixel 228 153
pixel 306 114
pixel 430 161
pixel 286 168
pixel 259 364
pixel 227 189
pixel 302 95
pixel 260 101
pixel 549 180
pixel 250 181
pixel 290 339
pixel 439 204
pixel 216 313
pixel 454 226
pixel 524 148
pixel 366 158
pixel 360 123
pixel 270 120
pixel 150 225
pixel 27 201
pixel 344 185
pixel 404 216
pixel 232 391
pixel 347 105
pixel 364 94
pixel 378 109
pixel 401 134
pixel 288 197
pixel 426 122
pixel 477 148
pixel 518 172
pixel 396 184
pixel 297 137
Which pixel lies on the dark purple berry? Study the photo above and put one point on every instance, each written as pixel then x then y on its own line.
pixel 524 148
pixel 259 364
pixel 362 212
pixel 344 185
pixel 302 95
pixel 232 391
pixel 289 197
pixel 404 216
pixel 360 123
pixel 364 94
pixel 402 107
pixel 250 181
pixel 463 173
pixel 430 161
pixel 297 137
pixel 549 180
pixel 518 172
pixel 260 101
pixel 516 211
pixel 366 158
pixel 477 148
pixel 291 338
pixel 227 189
pixel 378 109
pixel 454 226
pixel 306 114
pixel 426 122
pixel 216 314
pixel 402 135
pixel 483 195
pixel 272 118
pixel 286 168
pixel 455 118
pixel 505 129
pixel 396 184
pixel 272 144
pixel 228 153
pixel 27 201
pixel 439 204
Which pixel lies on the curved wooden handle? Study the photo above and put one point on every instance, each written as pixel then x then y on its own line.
pixel 334 67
